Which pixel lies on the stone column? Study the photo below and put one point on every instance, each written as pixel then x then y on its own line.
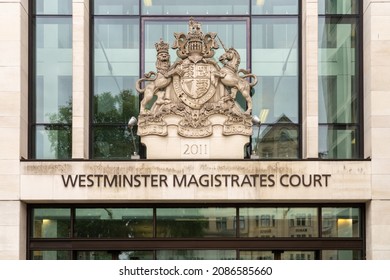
pixel 80 121
pixel 376 51
pixel 310 78
pixel 13 124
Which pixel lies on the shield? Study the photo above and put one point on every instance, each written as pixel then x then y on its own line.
pixel 195 87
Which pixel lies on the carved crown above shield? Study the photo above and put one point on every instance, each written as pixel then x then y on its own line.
pixel 190 94
pixel 195 42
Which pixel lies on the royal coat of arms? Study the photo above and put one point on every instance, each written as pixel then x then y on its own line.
pixel 195 88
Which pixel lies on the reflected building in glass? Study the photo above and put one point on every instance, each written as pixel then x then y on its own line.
pixel 76 177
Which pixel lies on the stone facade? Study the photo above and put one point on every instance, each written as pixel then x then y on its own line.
pixel 23 182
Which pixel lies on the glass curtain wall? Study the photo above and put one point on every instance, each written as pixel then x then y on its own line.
pixel 218 232
pixel 124 27
pixel 339 84
pixel 276 61
pixel 191 8
pixel 51 83
pixel 115 68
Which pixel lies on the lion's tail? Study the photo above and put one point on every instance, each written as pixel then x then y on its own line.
pixel 248 74
pixel 151 76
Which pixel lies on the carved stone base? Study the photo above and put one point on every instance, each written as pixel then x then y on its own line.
pixel 175 146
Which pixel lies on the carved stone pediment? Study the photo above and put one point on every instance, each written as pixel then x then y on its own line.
pixel 190 95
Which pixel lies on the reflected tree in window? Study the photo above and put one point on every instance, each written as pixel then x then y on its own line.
pixel 111 136
pixel 60 131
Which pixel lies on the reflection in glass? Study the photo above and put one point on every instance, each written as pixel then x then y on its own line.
pixel 51 223
pixel 116 7
pixel 115 255
pixel 341 254
pixel 115 100
pixel 113 142
pixel 196 254
pixel 275 59
pixel 53 7
pixel 52 100
pixel 114 108
pixel 338 88
pixel 276 141
pixel 340 222
pixel 339 99
pixel 338 141
pixel 338 7
pixel 337 71
pixel 280 7
pixel 113 223
pixel 195 222
pixel 53 141
pixel 51 255
pixel 277 255
pixel 298 255
pixel 280 222
pixel 231 33
pixel 190 7
pixel 256 255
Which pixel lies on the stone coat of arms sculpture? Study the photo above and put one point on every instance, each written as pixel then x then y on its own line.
pixel 195 96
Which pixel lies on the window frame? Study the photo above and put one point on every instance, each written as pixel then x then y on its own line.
pixel 32 109
pixel 359 124
pixel 248 18
pixel 236 242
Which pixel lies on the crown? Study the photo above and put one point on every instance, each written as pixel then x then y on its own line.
pixel 161 46
pixel 195 42
pixel 195 37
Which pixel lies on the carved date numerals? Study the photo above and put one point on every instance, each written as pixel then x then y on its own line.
pixel 195 149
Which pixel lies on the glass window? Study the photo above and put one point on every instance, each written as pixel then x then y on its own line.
pixel 52 91
pixel 256 255
pixel 139 233
pixel 196 255
pixel 339 101
pixel 338 70
pixel 233 33
pixel 53 70
pixel 190 7
pixel 279 222
pixel 116 7
pixel 277 255
pixel 341 222
pixel 277 141
pixel 275 60
pixel 195 222
pixel 298 255
pixel 115 100
pixel 338 6
pixel 53 141
pixel 51 223
pixel 113 142
pixel 279 7
pixel 51 255
pixel 115 255
pixel 53 7
pixel 341 254
pixel 113 223
pixel 338 141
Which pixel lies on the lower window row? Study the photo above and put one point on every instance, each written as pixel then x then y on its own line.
pixel 196 222
pixel 199 255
